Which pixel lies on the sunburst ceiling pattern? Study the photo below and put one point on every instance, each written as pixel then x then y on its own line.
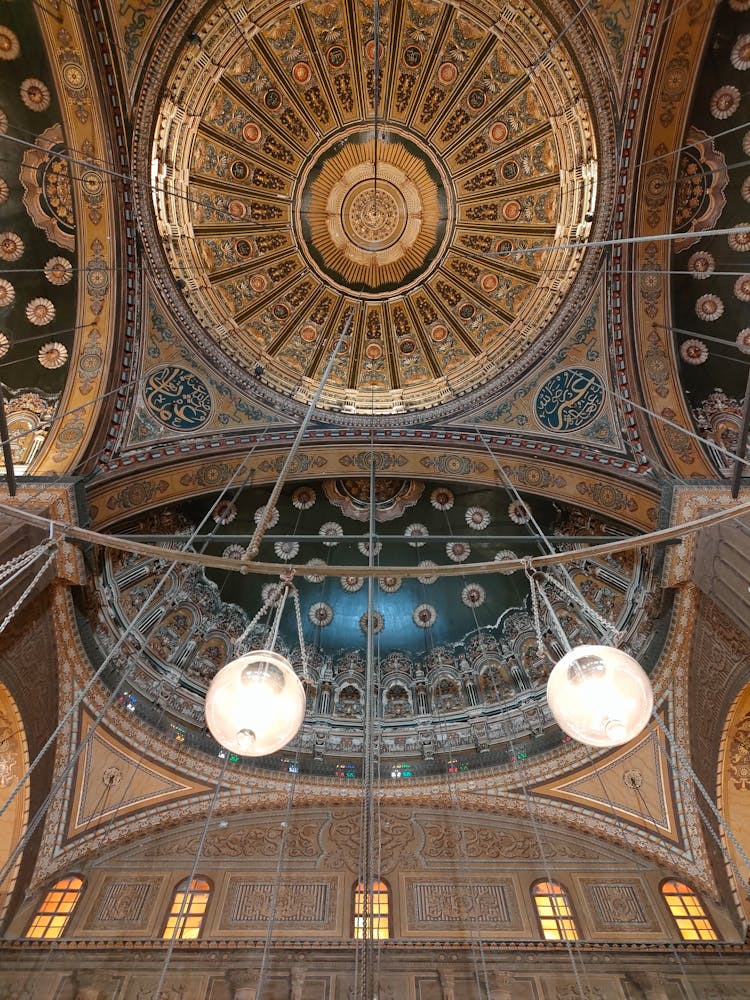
pixel 263 159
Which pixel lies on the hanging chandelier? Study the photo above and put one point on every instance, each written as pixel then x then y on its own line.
pixel 597 694
pixel 256 704
pixel 600 695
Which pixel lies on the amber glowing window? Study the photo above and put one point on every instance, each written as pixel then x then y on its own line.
pixel 554 912
pixel 57 908
pixel 188 909
pixel 687 910
pixel 372 911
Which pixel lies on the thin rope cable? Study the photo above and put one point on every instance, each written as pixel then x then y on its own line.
pixel 685 765
pixel 623 835
pixel 531 810
pixel 481 974
pixel 531 807
pixel 260 529
pixel 678 427
pixel 276 888
pixel 16 567
pixel 127 543
pixel 35 580
pixel 186 896
pixel 69 714
pixel 103 832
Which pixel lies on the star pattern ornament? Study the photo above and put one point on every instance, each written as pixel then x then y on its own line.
pixel 709 308
pixel 477 518
pixel 378 623
pixel 314 577
pixel 364 548
pixel 519 512
pixel 740 54
pixel 320 614
pixel 286 550
pixel 11 247
pixel 35 94
pixel 724 102
pixel 473 595
pixel 53 355
pixel 694 352
pixel 233 552
pixel 272 521
pixel 701 264
pixel 40 312
pixel 58 271
pixel 424 616
pixel 740 241
pixel 224 512
pixel 351 584
pixel 416 531
pixel 303 498
pixel 331 531
pixel 390 584
pixel 271 593
pixel 505 555
pixel 458 551
pixel 442 498
pixel 427 578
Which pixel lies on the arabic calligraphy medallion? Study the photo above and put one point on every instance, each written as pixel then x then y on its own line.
pixel 569 400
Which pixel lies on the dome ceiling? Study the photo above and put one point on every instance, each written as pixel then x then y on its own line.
pixel 449 650
pixel 276 231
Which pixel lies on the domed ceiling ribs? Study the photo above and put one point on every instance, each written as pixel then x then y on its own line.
pixel 263 160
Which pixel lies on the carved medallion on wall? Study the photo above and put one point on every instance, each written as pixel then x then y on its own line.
pixel 297 903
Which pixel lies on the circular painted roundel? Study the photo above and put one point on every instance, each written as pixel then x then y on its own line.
pixel 177 397
pixel 569 400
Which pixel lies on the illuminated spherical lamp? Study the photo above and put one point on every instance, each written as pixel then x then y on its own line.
pixel 255 704
pixel 600 696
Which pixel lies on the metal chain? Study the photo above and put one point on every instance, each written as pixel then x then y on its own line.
pixel 269 603
pixel 685 763
pixel 22 560
pixel 540 647
pixel 606 625
pixel 302 647
pixel 11 614
pixel 724 853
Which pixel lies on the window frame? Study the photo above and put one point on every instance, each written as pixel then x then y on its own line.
pixel 180 915
pixel 380 890
pixel 691 918
pixel 556 891
pixel 58 909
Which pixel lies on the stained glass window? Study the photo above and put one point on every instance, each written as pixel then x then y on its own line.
pixel 188 909
pixel 372 911
pixel 688 913
pixel 57 908
pixel 554 912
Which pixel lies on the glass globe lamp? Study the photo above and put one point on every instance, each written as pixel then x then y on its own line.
pixel 600 696
pixel 255 704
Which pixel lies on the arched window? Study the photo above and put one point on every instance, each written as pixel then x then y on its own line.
pixel 554 911
pixel 688 913
pixel 188 909
pixel 372 910
pixel 57 908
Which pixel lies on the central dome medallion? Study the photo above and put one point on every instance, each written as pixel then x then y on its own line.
pixel 456 259
pixel 371 232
